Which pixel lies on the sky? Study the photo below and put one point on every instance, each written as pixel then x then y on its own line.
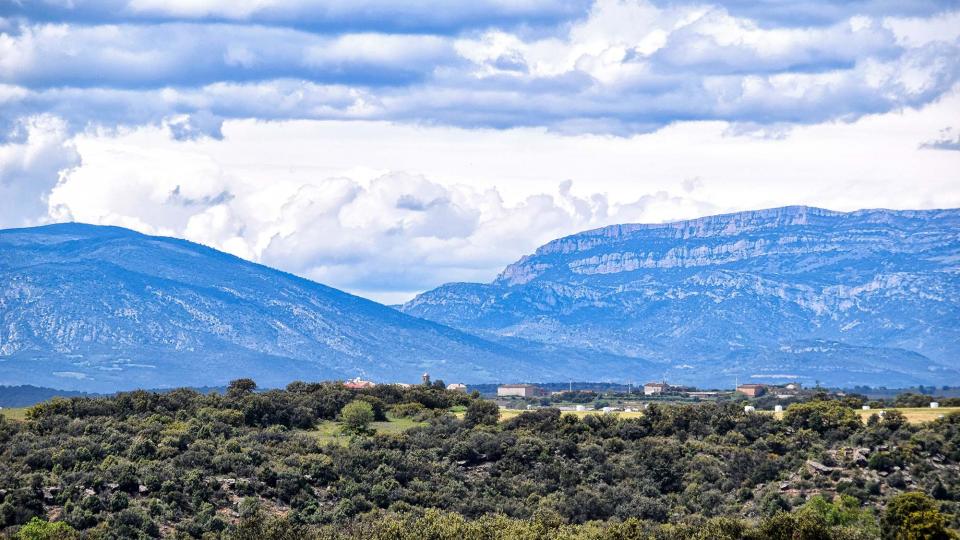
pixel 387 147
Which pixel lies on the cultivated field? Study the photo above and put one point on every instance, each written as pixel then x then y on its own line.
pixel 915 415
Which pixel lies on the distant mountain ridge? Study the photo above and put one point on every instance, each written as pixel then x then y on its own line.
pixel 866 297
pixel 105 308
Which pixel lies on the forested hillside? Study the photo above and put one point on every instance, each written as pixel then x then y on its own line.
pixel 271 465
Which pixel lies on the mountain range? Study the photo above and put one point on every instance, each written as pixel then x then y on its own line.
pixel 869 297
pixel 101 308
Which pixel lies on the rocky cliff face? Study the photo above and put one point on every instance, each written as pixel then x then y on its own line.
pixel 868 297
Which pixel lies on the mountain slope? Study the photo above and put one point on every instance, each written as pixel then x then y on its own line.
pixel 102 308
pixel 868 297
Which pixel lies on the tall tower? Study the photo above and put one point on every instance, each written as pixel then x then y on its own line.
pixel 426 378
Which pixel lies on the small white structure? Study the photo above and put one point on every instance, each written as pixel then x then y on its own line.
pixel 608 410
pixel 934 405
pixel 778 408
pixel 457 387
pixel 865 407
pixel 749 409
pixel 581 408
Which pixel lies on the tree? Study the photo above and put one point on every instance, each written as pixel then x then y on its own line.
pixel 356 417
pixel 482 412
pixel 823 417
pixel 240 387
pixel 915 516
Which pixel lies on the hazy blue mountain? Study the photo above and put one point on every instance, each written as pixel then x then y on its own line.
pixel 102 308
pixel 868 297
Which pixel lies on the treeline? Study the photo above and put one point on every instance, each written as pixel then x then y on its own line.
pixel 26 395
pixel 245 464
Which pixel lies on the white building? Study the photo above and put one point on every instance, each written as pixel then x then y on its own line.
pixel 749 409
pixel 520 390
pixel 778 408
pixel 652 388
pixel 934 405
pixel 457 387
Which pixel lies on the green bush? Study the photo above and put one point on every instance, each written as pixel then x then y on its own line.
pixel 356 417
pixel 482 412
pixel 915 516
pixel 37 529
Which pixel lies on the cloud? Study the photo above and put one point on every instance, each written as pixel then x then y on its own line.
pixel 387 209
pixel 440 115
pixel 621 67
pixel 193 54
pixel 185 127
pixel 394 234
pixel 35 154
pixel 435 16
pixel 948 139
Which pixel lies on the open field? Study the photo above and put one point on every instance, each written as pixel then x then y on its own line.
pixel 330 432
pixel 915 415
pixel 14 413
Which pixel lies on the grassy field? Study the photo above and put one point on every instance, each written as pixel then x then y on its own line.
pixel 330 432
pixel 14 413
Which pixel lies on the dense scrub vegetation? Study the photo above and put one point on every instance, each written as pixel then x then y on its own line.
pixel 246 465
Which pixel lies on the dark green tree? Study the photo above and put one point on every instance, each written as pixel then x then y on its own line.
pixel 482 412
pixel 240 387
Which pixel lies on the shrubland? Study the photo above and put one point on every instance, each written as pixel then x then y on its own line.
pixel 247 464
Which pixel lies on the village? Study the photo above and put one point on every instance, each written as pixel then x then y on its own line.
pixel 631 399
